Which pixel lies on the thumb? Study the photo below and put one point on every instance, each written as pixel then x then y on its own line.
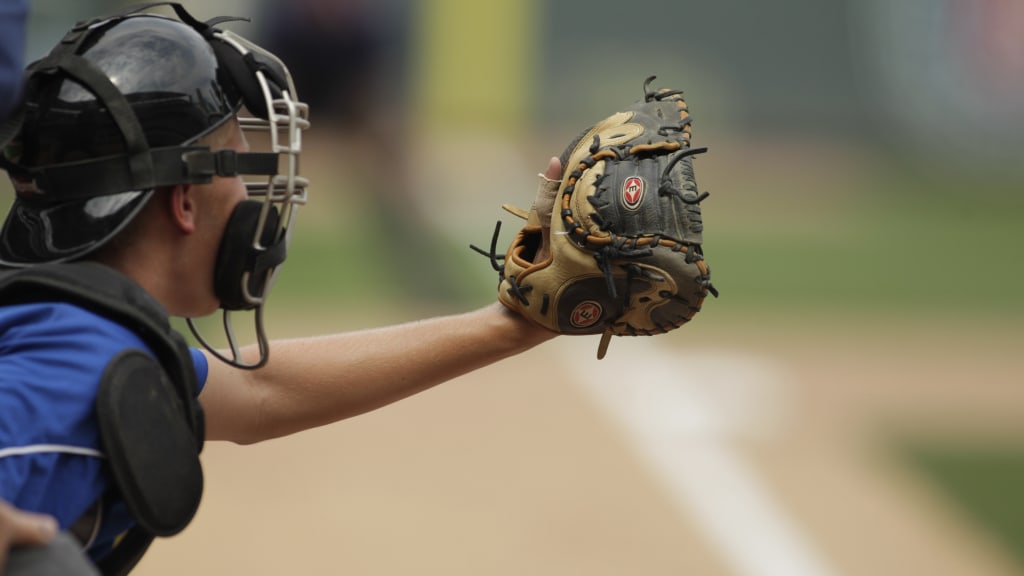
pixel 547 188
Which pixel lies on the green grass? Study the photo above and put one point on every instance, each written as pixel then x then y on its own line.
pixel 914 245
pixel 366 264
pixel 985 483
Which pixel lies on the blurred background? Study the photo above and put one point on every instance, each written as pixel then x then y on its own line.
pixel 853 402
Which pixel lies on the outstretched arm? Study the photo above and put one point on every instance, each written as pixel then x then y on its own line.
pixel 310 382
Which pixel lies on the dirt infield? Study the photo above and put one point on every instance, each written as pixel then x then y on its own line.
pixel 508 472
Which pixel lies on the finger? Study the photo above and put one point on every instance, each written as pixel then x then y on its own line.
pixel 554 170
pixel 26 528
pixel 547 188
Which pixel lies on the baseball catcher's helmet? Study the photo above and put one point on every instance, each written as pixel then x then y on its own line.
pixel 118 108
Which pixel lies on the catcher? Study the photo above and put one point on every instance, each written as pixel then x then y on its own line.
pixel 138 197
pixel 621 255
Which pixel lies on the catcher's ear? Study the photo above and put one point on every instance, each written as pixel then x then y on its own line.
pixel 182 205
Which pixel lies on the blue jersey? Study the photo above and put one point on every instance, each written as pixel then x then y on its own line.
pixel 52 356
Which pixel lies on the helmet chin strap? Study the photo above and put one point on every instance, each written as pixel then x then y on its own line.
pixel 236 357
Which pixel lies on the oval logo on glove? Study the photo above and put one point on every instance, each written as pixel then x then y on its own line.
pixel 633 192
pixel 586 314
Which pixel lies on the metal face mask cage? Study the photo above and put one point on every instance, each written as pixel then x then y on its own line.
pixel 275 119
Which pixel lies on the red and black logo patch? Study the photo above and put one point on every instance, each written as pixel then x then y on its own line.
pixel 586 314
pixel 633 192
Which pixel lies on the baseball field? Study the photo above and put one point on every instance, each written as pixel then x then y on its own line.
pixel 852 404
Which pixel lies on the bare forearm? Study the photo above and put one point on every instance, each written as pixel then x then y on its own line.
pixel 314 381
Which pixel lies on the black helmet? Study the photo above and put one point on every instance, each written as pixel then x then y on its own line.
pixel 118 109
pixel 114 111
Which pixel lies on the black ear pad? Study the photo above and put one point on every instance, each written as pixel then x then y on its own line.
pixel 240 72
pixel 237 256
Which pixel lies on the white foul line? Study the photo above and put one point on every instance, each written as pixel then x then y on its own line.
pixel 679 409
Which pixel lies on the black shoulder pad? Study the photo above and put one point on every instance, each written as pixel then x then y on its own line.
pixel 150 446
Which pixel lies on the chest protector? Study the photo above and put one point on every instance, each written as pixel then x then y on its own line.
pixel 151 424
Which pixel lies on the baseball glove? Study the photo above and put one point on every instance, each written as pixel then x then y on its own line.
pixel 622 253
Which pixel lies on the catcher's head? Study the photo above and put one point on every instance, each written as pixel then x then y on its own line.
pixel 124 106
